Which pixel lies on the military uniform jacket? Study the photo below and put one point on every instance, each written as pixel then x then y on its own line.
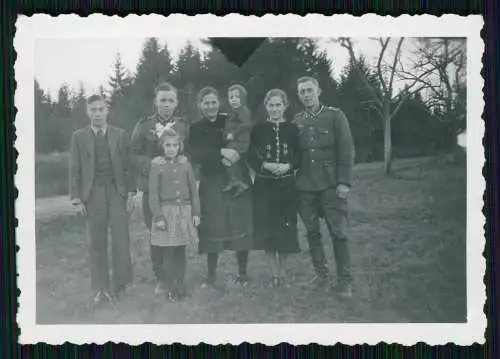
pixel 144 145
pixel 327 149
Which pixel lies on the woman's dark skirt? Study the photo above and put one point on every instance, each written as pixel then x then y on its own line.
pixel 226 221
pixel 275 215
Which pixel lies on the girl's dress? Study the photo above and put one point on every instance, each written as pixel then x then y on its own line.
pixel 274 198
pixel 174 195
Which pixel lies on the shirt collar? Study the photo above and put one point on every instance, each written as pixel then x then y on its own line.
pixel 95 129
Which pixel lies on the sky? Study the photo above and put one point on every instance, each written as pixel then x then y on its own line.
pixel 90 61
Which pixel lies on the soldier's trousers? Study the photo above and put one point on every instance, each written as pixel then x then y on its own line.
pixel 312 206
pixel 155 252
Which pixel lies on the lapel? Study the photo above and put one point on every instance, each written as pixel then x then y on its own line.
pixel 90 144
pixel 112 140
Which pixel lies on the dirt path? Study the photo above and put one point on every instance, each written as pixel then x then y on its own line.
pixel 47 208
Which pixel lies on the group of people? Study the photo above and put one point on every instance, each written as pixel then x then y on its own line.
pixel 226 182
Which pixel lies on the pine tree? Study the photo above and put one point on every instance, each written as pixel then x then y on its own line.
pixel 118 80
pixel 187 77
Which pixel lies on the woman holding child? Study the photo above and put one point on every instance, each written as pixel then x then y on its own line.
pixel 226 213
pixel 274 156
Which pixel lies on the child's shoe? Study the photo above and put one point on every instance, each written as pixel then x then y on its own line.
pixel 160 288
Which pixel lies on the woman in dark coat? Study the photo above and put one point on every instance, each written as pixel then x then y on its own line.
pixel 226 219
pixel 274 155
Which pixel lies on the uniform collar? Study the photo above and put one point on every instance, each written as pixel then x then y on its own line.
pixel 310 115
pixel 164 122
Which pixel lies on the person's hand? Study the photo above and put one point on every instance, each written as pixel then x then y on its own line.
pixel 79 207
pixel 226 162
pixel 196 221
pixel 130 203
pixel 230 154
pixel 182 159
pixel 282 168
pixel 270 166
pixel 158 160
pixel 161 224
pixel 342 191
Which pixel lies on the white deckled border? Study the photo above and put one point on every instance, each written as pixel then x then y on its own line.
pixel 99 26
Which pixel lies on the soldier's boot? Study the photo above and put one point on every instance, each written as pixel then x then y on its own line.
pixel 343 264
pixel 319 262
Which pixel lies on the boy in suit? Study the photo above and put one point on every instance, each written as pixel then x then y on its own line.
pixel 102 188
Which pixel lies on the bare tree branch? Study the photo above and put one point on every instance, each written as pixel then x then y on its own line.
pixel 396 56
pixel 383 44
pixel 347 44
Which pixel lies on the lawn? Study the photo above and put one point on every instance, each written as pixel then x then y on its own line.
pixel 408 251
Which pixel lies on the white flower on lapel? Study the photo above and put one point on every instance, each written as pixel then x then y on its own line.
pixel 159 128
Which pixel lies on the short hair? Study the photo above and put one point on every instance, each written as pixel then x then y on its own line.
pixel 170 133
pixel 165 86
pixel 276 92
pixel 95 98
pixel 307 79
pixel 241 89
pixel 208 90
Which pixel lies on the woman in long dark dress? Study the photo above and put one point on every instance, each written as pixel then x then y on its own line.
pixel 226 219
pixel 274 155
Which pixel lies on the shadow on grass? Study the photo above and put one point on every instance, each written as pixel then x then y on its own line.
pixel 408 254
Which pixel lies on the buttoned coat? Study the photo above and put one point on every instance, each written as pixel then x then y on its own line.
pixel 327 149
pixel 82 162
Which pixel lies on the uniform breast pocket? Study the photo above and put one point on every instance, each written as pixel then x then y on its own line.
pixel 324 137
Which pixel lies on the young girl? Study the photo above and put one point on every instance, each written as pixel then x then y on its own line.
pixel 237 135
pixel 175 204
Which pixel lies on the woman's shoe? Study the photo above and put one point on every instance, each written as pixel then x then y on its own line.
pixel 273 282
pixel 283 283
pixel 242 280
pixel 160 289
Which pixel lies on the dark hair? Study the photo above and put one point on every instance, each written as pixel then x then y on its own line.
pixel 242 90
pixel 165 86
pixel 276 92
pixel 206 91
pixel 94 98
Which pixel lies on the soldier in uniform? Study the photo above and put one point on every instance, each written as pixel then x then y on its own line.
pixel 145 146
pixel 324 180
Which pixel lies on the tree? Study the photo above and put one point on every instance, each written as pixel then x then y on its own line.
pixel 79 108
pixel 356 99
pixel 119 80
pixel 440 69
pixel 187 77
pixel 385 102
pixel 44 124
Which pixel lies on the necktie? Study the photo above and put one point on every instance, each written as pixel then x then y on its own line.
pixel 100 133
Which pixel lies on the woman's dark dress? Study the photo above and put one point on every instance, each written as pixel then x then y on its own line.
pixel 274 199
pixel 226 221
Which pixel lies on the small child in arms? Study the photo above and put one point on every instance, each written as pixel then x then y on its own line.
pixel 237 136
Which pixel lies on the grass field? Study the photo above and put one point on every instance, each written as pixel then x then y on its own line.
pixel 408 251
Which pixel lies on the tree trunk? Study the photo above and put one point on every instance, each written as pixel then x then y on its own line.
pixel 387 143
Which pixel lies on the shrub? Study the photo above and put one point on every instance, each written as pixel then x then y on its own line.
pixel 51 174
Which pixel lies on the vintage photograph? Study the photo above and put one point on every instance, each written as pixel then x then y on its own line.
pixel 321 178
